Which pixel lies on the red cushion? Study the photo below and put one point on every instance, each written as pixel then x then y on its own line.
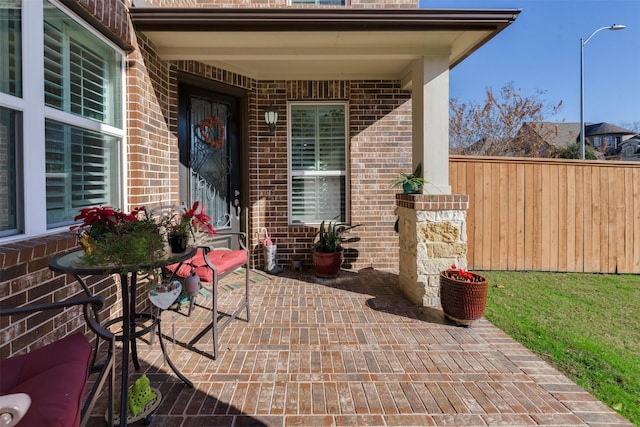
pixel 54 376
pixel 223 260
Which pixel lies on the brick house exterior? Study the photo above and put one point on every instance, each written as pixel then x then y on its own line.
pixel 382 142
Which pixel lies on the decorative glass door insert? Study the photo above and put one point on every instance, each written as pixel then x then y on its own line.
pixel 210 159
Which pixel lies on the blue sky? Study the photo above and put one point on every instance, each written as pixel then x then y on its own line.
pixel 541 51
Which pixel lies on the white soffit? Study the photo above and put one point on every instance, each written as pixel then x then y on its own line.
pixel 316 55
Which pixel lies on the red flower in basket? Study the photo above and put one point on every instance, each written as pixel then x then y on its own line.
pixel 463 295
pixel 462 275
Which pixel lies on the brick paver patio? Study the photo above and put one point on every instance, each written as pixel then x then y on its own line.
pixel 352 351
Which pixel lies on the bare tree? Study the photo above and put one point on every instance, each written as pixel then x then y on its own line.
pixel 634 126
pixel 492 128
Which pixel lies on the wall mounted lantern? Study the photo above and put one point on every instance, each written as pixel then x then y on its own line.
pixel 271 117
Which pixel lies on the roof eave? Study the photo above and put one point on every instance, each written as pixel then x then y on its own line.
pixel 296 19
pixel 467 29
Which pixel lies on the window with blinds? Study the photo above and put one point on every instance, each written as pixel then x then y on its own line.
pixel 75 118
pixel 317 162
pixel 80 171
pixel 82 74
pixel 11 206
pixel 83 78
pixel 10 48
pixel 10 184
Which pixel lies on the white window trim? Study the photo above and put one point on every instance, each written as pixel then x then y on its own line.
pixel 81 122
pixel 10 101
pixel 347 161
pixel 34 114
pixel 35 213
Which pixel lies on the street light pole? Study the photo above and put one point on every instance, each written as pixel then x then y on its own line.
pixel 582 43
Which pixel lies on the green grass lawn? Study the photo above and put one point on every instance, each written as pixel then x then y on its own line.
pixel 586 325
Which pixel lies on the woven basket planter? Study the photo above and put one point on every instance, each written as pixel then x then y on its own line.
pixel 463 302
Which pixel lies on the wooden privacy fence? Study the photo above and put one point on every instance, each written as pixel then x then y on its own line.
pixel 550 214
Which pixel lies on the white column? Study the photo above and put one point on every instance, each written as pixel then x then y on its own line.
pixel 430 107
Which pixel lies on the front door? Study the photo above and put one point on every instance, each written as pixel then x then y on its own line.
pixel 210 155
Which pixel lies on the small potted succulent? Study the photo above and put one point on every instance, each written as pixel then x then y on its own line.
pixel 411 182
pixel 463 295
pixel 327 251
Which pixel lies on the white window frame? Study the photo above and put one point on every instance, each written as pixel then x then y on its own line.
pixel 34 113
pixel 346 173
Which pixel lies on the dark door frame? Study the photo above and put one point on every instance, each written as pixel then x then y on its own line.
pixel 242 97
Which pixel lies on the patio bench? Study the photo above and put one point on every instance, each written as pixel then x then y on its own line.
pixel 46 386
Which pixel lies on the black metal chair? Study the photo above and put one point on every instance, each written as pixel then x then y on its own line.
pixel 46 386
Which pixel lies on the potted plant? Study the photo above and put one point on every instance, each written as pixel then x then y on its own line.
pixel 327 251
pixel 109 236
pixel 180 225
pixel 463 295
pixel 97 222
pixel 411 182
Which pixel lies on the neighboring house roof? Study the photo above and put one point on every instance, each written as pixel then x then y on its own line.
pixel 533 139
pixel 561 134
pixel 605 129
pixel 318 44
pixel 478 148
pixel 555 134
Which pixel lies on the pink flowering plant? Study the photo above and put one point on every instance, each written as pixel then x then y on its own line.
pixel 462 275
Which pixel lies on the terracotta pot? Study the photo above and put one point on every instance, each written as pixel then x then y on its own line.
pixel 327 264
pixel 462 302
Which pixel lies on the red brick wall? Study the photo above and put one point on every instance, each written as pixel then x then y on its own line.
pixel 112 14
pixel 25 278
pixel 380 148
pixel 152 148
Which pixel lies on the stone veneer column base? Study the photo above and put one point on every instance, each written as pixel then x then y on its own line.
pixel 433 236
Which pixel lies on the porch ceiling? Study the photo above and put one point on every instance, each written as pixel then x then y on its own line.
pixel 318 44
